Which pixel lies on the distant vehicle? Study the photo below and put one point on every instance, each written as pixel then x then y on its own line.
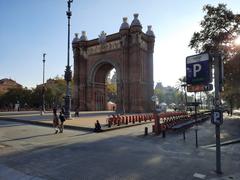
pixel 162 107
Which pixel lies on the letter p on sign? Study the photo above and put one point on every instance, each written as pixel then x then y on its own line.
pixel 196 69
pixel 217 117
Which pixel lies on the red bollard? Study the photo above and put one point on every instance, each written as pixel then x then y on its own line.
pixel 126 119
pixel 139 118
pixel 123 119
pixel 114 120
pixel 110 121
pixel 130 118
pixel 133 118
pixel 151 117
pixel 157 124
pixel 118 120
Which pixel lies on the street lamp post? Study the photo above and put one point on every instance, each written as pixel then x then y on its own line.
pixel 68 72
pixel 43 86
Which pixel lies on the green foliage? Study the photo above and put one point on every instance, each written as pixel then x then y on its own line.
pixel 112 92
pixel 169 95
pixel 232 82
pixel 14 95
pixel 219 28
pixel 159 93
pixel 54 95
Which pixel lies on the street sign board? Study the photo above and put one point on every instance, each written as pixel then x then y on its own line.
pixel 198 69
pixel 217 117
pixel 199 88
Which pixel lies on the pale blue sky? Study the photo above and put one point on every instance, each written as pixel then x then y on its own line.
pixel 30 27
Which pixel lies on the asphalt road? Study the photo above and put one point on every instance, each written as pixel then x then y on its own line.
pixel 34 152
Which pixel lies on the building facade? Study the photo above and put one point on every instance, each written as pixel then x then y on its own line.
pixel 130 52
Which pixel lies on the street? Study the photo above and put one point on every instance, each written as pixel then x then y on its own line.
pixel 35 152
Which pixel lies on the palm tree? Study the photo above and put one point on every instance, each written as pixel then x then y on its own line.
pixel 181 85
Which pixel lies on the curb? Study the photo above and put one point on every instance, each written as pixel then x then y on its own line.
pixel 124 126
pixel 233 141
pixel 39 123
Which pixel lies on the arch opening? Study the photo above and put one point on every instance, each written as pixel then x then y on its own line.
pixel 105 87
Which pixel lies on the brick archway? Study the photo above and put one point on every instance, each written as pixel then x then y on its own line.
pixel 130 52
pixel 97 78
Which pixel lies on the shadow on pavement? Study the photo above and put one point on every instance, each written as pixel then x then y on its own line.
pixel 29 137
pixel 118 157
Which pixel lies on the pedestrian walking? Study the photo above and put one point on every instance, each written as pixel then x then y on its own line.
pixel 76 112
pixel 55 121
pixel 62 119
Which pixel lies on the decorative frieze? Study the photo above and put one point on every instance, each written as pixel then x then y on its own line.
pixel 109 46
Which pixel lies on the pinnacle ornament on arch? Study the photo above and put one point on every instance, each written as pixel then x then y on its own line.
pixel 124 24
pixel 76 38
pixel 102 37
pixel 150 31
pixel 83 36
pixel 136 21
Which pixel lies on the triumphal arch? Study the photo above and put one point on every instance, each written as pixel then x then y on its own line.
pixel 130 52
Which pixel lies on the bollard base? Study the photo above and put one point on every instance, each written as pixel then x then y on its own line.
pixel 146 131
pixel 163 134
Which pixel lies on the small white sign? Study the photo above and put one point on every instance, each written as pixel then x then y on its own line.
pixel 197 58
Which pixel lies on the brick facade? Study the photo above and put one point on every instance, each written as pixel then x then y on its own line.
pixel 130 52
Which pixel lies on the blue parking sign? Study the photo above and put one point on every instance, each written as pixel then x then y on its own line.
pixel 198 69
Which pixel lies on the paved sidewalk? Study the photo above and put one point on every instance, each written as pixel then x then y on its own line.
pixel 86 121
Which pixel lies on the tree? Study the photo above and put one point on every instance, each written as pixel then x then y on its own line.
pixel 181 87
pixel 54 91
pixel 232 82
pixel 112 92
pixel 168 94
pixel 111 86
pixel 159 93
pixel 219 28
pixel 16 95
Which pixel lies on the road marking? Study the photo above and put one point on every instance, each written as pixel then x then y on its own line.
pixel 200 176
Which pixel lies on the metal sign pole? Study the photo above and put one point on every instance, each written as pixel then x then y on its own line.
pixel 217 62
pixel 196 125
